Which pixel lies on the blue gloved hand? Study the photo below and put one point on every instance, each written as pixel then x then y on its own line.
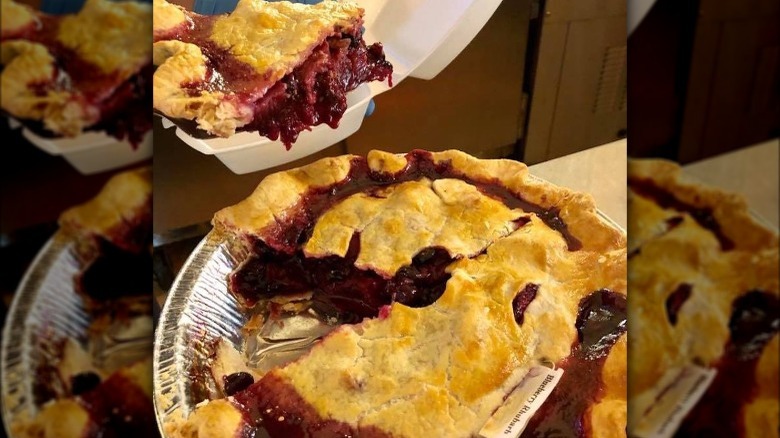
pixel 213 7
pixel 60 7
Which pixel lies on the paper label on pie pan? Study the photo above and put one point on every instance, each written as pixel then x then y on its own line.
pixel 674 401
pixel 522 403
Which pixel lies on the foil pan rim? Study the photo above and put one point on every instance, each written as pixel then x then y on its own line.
pixel 169 390
pixel 19 328
pixel 46 309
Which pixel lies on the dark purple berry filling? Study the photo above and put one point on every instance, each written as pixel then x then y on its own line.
pixel 523 300
pixel 600 323
pixel 675 301
pixel 83 382
pixel 755 319
pixel 236 382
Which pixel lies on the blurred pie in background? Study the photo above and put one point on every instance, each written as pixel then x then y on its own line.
pixel 64 75
pixel 703 274
pixel 96 384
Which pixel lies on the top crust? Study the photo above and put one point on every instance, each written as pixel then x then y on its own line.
pixel 689 254
pixel 409 217
pixel 271 37
pixel 111 35
pixel 279 193
pixel 274 37
pixel 729 209
pixel 14 18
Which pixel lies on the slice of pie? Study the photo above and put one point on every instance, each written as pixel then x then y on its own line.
pixel 704 281
pixel 277 68
pixel 458 276
pixel 90 71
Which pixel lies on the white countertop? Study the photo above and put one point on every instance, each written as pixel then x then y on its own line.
pixel 600 171
pixel 751 172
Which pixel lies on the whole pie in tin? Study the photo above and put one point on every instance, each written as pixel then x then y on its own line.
pixel 451 277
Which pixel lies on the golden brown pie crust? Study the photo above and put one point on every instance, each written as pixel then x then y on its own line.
pixel 122 206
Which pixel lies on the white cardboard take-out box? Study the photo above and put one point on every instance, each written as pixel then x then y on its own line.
pixel 420 38
pixel 92 152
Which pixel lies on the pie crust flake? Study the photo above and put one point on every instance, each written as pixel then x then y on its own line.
pixel 452 276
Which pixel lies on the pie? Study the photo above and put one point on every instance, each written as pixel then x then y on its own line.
pixel 113 234
pixel 704 281
pixel 272 67
pixel 449 276
pixel 100 386
pixel 118 405
pixel 89 71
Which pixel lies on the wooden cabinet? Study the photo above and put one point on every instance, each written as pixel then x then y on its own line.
pixel 733 93
pixel 704 78
pixel 474 104
pixel 578 92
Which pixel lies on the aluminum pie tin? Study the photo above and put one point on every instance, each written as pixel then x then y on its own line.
pixel 45 311
pixel 200 310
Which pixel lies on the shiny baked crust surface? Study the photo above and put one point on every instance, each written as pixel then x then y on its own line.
pixel 446 367
pixel 664 257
